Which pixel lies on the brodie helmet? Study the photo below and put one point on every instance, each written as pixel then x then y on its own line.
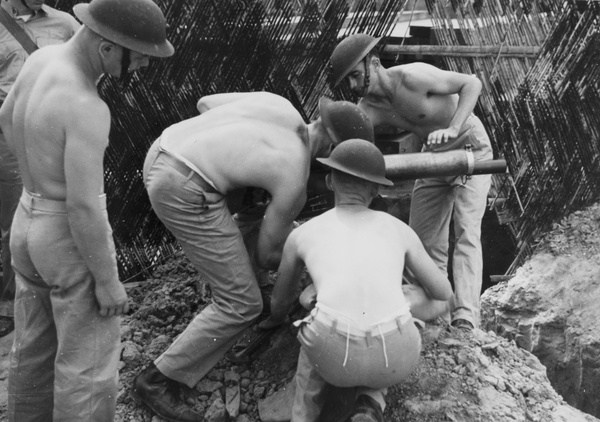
pixel 348 53
pixel 138 25
pixel 344 120
pixel 359 158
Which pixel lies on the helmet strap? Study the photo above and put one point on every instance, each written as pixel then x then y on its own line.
pixel 367 78
pixel 25 4
pixel 125 62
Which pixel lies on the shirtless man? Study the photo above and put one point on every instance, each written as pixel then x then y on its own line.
pixel 361 331
pixel 66 351
pixel 44 25
pixel 240 139
pixel 437 106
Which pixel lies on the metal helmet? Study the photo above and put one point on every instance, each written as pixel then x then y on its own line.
pixel 359 158
pixel 348 53
pixel 345 120
pixel 138 25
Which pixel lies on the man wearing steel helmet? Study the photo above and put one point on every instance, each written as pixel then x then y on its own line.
pixel 361 331
pixel 437 106
pixel 44 26
pixel 63 365
pixel 239 140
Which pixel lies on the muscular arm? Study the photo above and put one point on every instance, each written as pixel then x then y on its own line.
pixel 425 271
pixel 441 82
pixel 288 198
pixel 86 141
pixel 284 292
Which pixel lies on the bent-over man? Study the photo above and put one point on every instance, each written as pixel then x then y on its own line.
pixel 437 106
pixel 361 332
pixel 239 140
pixel 64 361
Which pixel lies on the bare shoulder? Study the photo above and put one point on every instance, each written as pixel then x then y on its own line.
pixel 393 224
pixel 413 75
pixel 314 228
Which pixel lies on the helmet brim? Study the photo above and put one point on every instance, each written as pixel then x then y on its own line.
pixel 82 13
pixel 371 178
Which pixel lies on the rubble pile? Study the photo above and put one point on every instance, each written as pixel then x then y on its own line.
pixel 461 377
pixel 550 307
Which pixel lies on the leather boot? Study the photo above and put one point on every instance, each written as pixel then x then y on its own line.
pixel 366 410
pixel 159 393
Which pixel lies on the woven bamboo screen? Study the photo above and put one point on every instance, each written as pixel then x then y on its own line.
pixel 542 113
pixel 280 46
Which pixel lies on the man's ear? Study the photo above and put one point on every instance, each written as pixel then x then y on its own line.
pixel 106 47
pixel 328 182
pixel 375 60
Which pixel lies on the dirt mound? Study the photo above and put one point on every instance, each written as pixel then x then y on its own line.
pixel 461 376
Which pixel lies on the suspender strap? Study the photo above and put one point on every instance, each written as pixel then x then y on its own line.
pixel 17 32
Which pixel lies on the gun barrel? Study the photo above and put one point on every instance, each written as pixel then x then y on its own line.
pixel 438 164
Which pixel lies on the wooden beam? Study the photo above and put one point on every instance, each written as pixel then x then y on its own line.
pixel 462 50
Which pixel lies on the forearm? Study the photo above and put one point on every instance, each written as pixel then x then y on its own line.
pixel 467 100
pixel 280 306
pixel 270 248
pixel 93 236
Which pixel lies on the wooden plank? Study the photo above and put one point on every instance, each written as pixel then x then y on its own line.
pixel 462 50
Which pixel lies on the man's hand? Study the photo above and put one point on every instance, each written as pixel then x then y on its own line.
pixel 112 299
pixel 271 323
pixel 441 136
pixel 308 297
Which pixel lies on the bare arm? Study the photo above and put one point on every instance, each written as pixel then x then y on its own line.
pixel 6 118
pixel 287 201
pixel 86 141
pixel 425 271
pixel 443 82
pixel 284 292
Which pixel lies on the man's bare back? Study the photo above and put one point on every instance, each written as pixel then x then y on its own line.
pixel 259 140
pixel 356 258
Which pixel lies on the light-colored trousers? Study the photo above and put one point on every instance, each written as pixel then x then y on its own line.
pixel 205 229
pixel 438 200
pixel 334 352
pixel 64 360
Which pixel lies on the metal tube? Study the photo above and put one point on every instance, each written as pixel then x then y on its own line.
pixel 437 164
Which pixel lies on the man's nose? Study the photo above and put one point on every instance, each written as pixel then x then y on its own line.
pixel 353 83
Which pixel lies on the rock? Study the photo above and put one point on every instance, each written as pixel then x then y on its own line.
pixel 278 407
pixel 126 332
pixel 216 412
pixel 232 393
pixel 550 307
pixel 130 355
pixel 208 386
pixel 158 345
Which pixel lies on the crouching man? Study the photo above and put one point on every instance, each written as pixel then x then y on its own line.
pixel 361 332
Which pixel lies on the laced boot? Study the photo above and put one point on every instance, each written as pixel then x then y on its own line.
pixel 366 409
pixel 159 393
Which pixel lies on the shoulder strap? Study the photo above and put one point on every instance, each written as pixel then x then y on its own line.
pixel 17 32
